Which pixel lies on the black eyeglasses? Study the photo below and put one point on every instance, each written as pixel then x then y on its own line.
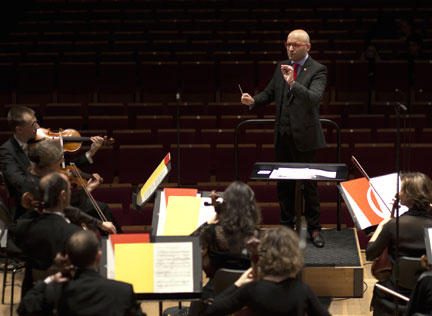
pixel 293 44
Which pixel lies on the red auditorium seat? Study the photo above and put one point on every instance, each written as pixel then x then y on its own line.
pixel 64 122
pixel 120 193
pixel 36 82
pixel 104 162
pixel 149 108
pixel 226 108
pixel 187 108
pixel 355 89
pixel 65 109
pixel 264 191
pixel 117 82
pixel 159 81
pixel 137 162
pixel 166 137
pixel 155 122
pixel 199 121
pixel 77 82
pixel 233 73
pixel 195 163
pixel 198 81
pixel 224 161
pixel 216 136
pixel 134 137
pixel 7 82
pixel 415 157
pixel 110 122
pixel 106 109
pixel 231 121
pixel 389 76
pixel 376 159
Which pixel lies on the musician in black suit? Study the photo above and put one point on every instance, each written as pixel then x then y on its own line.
pixel 297 86
pixel 15 164
pixel 87 293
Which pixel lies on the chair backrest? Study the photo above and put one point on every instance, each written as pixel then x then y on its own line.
pixel 224 278
pixel 410 269
pixel 5 221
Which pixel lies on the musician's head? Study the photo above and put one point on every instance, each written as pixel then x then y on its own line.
pixel 23 122
pixel 280 253
pixel 55 191
pixel 83 250
pixel 46 156
pixel 416 191
pixel 239 211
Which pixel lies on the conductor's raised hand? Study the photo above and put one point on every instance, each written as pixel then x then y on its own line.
pixel 288 73
pixel 247 99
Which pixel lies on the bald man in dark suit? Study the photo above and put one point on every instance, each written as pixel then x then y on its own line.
pixel 297 87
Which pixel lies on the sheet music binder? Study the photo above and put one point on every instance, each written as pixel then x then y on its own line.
pixel 196 270
pixel 150 186
pixel 428 244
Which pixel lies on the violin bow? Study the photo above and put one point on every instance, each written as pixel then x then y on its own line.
pixel 90 196
pixel 363 172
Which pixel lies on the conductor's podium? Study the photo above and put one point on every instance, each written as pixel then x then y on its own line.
pixel 337 269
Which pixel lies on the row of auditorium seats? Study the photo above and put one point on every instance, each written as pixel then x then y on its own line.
pixel 220 121
pixel 201 81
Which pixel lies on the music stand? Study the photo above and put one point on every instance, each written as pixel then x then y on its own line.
pixel 264 171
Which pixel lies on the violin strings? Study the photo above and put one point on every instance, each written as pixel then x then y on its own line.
pixel 92 200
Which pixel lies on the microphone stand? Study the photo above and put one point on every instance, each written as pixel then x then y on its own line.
pixel 178 99
pixel 398 108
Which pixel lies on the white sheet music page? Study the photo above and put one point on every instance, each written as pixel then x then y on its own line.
pixel 173 267
pixel 291 173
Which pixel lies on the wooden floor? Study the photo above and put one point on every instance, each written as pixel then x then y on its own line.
pixel 338 306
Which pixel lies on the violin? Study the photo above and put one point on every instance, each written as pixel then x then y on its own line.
pixel 253 244
pixel 70 139
pixel 382 267
pixel 214 202
pixel 72 174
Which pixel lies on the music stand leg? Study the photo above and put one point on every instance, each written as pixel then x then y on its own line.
pixel 299 204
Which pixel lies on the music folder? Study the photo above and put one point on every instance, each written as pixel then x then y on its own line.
pixel 150 186
pixel 161 267
pixel 428 244
pixel 370 204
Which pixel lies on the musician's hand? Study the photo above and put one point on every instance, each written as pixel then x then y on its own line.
pixel 108 227
pixel 245 278
pixel 97 143
pixel 246 99
pixel 214 220
pixel 94 182
pixel 56 278
pixel 288 73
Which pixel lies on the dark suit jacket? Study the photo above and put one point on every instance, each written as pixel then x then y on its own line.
pixel 88 294
pixel 42 237
pixel 303 103
pixel 15 167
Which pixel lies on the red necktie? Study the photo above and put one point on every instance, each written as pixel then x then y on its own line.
pixel 295 71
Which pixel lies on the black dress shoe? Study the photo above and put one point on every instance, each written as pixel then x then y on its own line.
pixel 317 239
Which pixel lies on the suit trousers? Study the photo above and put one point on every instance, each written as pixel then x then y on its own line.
pixel 286 189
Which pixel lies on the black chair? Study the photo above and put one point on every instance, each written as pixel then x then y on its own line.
pixel 410 269
pixel 10 253
pixel 223 278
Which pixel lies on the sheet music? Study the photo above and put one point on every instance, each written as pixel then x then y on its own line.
pixel 428 244
pixel 206 212
pixel 291 173
pixel 301 173
pixel 173 267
